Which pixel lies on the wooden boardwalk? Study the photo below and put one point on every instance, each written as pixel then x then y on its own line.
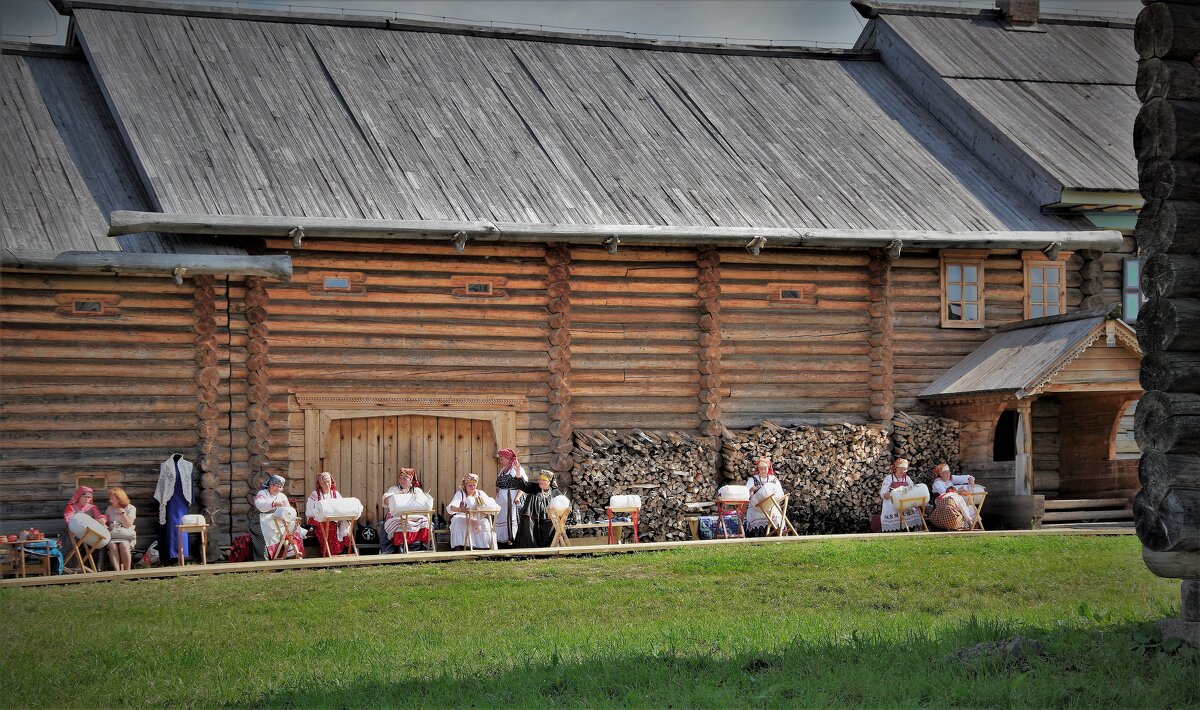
pixel 425 557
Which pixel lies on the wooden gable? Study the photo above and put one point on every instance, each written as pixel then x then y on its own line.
pixel 1108 364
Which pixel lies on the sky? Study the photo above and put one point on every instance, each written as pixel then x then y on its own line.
pixel 825 23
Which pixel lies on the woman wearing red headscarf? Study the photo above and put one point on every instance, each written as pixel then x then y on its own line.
pixel 762 483
pixel 509 496
pixel 83 502
pixel 335 533
pixel 417 530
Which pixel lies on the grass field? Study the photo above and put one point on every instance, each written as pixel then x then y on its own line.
pixel 819 623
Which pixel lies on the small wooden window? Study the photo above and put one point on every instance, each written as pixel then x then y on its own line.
pixel 332 282
pixel 478 286
pixel 88 305
pixel 1045 285
pixel 96 482
pixel 1131 289
pixel 791 295
pixel 962 290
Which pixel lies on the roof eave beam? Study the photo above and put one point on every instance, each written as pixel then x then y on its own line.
pixel 178 265
pixel 125 222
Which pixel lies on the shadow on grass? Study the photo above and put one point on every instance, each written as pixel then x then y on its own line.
pixel 1088 667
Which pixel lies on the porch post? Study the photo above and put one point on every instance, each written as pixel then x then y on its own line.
pixel 1023 478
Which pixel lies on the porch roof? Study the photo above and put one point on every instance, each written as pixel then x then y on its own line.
pixel 1025 358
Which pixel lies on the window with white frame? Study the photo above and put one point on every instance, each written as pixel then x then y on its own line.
pixel 962 290
pixel 1131 289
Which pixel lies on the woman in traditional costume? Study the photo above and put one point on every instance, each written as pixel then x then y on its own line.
pixel 466 498
pixel 536 529
pixel 394 530
pixel 889 517
pixel 83 502
pixel 509 495
pixel 963 514
pixel 267 500
pixel 762 483
pixel 121 515
pixel 336 533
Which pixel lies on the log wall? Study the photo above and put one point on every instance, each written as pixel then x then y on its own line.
pixel 95 396
pixel 795 362
pixel 1046 446
pixel 1167 509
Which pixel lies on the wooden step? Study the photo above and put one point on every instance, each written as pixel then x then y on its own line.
pixel 1085 503
pixel 1086 515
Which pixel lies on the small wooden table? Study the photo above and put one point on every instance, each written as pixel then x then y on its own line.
pixel 903 505
pixel 428 515
pixel 633 517
pixel 472 515
pixel 768 505
pixel 975 500
pixel 19 550
pixel 730 507
pixel 185 528
pixel 82 549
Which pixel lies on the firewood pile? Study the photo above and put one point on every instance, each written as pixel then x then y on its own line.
pixel 832 473
pixel 667 469
pixel 925 442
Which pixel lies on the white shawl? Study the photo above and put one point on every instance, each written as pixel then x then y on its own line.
pixel 166 484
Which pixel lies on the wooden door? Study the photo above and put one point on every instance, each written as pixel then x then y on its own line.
pixel 364 455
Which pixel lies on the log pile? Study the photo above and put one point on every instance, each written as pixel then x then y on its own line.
pixel 667 469
pixel 832 473
pixel 1166 140
pixel 925 442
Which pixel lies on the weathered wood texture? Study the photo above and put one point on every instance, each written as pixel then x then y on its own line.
pixel 517 135
pixel 635 325
pixel 795 360
pixel 1088 427
pixel 407 326
pixel 1167 509
pixel 1045 413
pixel 95 396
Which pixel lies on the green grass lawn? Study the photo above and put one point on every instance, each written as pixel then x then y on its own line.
pixel 839 622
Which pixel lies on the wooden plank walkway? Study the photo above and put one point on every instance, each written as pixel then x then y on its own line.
pixel 194 570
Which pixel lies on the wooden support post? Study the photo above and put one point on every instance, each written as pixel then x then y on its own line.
pixel 558 286
pixel 881 383
pixel 1024 462
pixel 208 379
pixel 708 288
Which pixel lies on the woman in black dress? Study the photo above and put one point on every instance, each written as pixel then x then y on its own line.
pixel 536 528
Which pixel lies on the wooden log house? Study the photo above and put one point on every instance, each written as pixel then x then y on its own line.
pixel 496 237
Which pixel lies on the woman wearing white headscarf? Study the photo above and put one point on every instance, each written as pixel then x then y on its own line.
pixel 889 517
pixel 267 501
pixel 469 497
pixel 335 533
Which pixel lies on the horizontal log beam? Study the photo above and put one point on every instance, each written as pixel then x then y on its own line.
pixel 1168 422
pixel 127 262
pixel 1171 276
pixel 126 222
pixel 1172 565
pixel 1165 518
pixel 1170 324
pixel 1167 31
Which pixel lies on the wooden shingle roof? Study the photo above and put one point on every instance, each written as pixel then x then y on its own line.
pixel 64 168
pixel 240 116
pixel 1023 359
pixel 1063 94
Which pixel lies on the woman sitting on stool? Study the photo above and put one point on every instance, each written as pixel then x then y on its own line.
pixel 469 497
pixel 335 533
pixel 763 483
pixel 962 515
pixel 121 515
pixel 394 530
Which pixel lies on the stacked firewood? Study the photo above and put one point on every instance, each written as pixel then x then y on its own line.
pixel 832 473
pixel 925 442
pixel 667 469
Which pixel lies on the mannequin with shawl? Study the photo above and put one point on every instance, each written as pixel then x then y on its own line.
pixel 174 495
pixel 266 501
pixel 466 497
pixel 334 533
pixel 764 480
pixel 536 528
pixel 509 495
pixel 394 530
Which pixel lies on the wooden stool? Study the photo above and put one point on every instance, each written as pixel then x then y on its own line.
pixel 428 514
pixel 768 505
pixel 472 515
pixel 633 517
pixel 560 528
pixel 353 520
pixel 285 530
pixel 183 529
pixel 903 505
pixel 725 507
pixel 82 549
pixel 975 500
